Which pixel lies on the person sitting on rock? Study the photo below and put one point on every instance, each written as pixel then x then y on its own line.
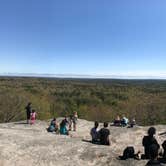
pixel 124 121
pixel 132 123
pixel 104 135
pixel 148 141
pixel 117 121
pixel 63 128
pixel 53 126
pixel 164 154
pixel 33 117
pixel 94 133
pixel 66 121
pixel 153 154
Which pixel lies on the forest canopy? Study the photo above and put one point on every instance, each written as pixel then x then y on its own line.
pixel 93 99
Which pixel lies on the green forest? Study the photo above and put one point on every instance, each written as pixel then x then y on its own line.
pixel 93 99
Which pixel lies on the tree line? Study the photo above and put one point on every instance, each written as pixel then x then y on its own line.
pixel 93 99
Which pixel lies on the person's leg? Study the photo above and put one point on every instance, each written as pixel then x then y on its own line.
pixel 28 117
pixel 74 126
pixel 32 120
pixel 70 124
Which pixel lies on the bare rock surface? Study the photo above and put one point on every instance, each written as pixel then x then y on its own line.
pixel 31 145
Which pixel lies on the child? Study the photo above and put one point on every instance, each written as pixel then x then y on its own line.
pixel 33 117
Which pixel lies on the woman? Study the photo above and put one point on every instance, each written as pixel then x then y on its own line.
pixel 63 129
pixel 53 126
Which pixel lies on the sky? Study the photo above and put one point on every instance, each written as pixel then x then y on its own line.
pixel 83 37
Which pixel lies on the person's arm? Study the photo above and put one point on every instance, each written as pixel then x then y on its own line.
pixel 108 138
pixel 143 141
pixel 56 125
pixel 99 132
pixel 155 142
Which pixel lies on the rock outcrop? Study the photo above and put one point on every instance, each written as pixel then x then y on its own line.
pixel 32 145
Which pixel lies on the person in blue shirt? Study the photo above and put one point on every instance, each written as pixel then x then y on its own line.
pixel 63 128
pixel 94 133
pixel 53 126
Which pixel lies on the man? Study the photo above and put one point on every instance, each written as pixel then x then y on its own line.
pixel 104 135
pixel 148 141
pixel 153 156
pixel 94 133
pixel 28 112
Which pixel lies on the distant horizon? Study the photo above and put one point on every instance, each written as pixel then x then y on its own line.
pixel 84 76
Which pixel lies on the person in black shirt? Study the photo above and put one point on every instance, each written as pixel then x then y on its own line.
pixel 164 154
pixel 164 147
pixel 28 112
pixel 104 135
pixel 153 152
pixel 148 141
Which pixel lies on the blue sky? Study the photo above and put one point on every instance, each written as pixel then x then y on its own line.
pixel 108 37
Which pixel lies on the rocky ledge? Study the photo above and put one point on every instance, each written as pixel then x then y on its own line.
pixel 32 145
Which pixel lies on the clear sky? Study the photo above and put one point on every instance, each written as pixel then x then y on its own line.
pixel 106 37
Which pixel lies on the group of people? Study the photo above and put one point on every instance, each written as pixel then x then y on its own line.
pixel 124 122
pixel 151 146
pixel 66 125
pixel 31 114
pixel 100 136
pixel 152 150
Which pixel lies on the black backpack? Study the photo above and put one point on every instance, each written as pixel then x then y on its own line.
pixel 128 153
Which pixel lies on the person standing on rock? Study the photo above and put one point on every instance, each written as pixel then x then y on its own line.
pixel 104 135
pixel 28 112
pixel 75 118
pixel 33 117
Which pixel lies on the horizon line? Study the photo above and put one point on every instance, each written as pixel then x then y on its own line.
pixel 85 76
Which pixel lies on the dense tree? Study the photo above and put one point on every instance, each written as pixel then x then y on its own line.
pixel 95 99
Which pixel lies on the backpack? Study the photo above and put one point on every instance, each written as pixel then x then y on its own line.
pixel 128 152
